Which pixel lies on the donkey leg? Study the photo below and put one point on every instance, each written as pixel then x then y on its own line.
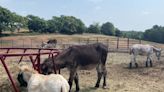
pixel 76 79
pixel 135 62
pixel 99 75
pixel 147 61
pixel 104 74
pixel 130 65
pixel 151 64
pixel 71 78
pixel 133 59
pixel 136 65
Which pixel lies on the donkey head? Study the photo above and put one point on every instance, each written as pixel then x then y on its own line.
pixel 158 53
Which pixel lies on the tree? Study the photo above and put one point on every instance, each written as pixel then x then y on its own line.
pixel 133 34
pixel 36 24
pixel 94 28
pixel 19 21
pixel 5 18
pixel 108 29
pixel 118 33
pixel 71 25
pixel 156 34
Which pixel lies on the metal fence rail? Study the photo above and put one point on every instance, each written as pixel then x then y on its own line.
pixel 114 44
pixel 34 57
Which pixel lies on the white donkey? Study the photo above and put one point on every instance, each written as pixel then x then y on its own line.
pixel 140 49
pixel 35 82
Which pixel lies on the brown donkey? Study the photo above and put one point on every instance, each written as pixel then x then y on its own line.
pixel 80 57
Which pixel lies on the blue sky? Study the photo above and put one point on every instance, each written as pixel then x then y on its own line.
pixel 124 14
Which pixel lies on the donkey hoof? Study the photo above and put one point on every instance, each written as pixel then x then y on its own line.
pixel 136 65
pixel 146 64
pixel 96 86
pixel 130 65
pixel 105 87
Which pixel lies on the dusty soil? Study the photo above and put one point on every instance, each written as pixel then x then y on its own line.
pixel 120 77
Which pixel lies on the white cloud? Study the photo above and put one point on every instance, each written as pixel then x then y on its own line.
pixel 98 8
pixel 96 1
pixel 4 1
pixel 146 13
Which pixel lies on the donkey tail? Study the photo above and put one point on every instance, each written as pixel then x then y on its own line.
pixel 130 51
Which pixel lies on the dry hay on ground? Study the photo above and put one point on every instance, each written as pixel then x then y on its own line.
pixel 120 78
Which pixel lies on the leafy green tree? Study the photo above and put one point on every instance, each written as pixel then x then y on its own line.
pixel 36 24
pixel 65 25
pixel 108 29
pixel 5 18
pixel 133 34
pixel 19 21
pixel 118 33
pixel 71 25
pixel 156 34
pixel 94 28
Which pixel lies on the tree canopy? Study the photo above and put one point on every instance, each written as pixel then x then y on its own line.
pixel 156 34
pixel 10 21
pixel 108 29
pixel 94 28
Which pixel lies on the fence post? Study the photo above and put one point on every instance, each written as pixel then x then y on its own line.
pixel 97 39
pixel 117 42
pixel 128 43
pixel 88 41
pixel 107 42
pixel 139 41
pixel 79 41
pixel 1 43
pixel 12 43
pixel 23 43
pixel 38 62
pixel 31 43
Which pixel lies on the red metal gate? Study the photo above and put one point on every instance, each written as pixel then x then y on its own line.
pixel 34 57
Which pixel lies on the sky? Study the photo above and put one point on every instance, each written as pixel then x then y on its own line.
pixel 137 15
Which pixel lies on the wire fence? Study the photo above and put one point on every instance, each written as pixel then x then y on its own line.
pixel 114 44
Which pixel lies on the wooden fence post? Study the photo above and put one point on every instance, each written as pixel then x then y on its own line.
pixel 139 41
pixel 88 41
pixel 79 41
pixel 31 43
pixel 107 42
pixel 12 42
pixel 128 43
pixel 23 43
pixel 97 39
pixel 117 42
pixel 1 43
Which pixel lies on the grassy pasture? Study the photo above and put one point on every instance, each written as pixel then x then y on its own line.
pixel 120 78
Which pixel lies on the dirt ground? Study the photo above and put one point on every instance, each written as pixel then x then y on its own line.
pixel 120 77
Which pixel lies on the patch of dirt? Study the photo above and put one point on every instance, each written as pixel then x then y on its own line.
pixel 120 78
